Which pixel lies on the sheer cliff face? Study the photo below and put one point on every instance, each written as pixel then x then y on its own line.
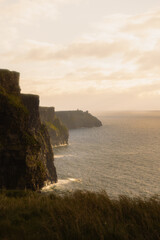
pixel 57 130
pixel 40 133
pixel 78 119
pixel 47 114
pixel 26 157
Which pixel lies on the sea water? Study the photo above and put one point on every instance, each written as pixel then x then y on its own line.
pixel 122 157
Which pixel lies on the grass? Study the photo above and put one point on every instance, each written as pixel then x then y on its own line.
pixel 77 216
pixel 57 126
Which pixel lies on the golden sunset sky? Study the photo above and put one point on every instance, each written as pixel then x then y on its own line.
pixel 88 54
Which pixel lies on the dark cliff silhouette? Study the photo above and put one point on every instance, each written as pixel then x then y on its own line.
pixel 26 157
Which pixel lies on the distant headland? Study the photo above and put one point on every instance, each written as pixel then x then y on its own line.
pixel 78 119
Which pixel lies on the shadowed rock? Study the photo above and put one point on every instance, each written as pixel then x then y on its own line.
pixel 10 81
pixel 57 130
pixel 26 157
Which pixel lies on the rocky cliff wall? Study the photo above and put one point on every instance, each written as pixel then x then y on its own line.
pixel 40 132
pixel 31 102
pixel 26 157
pixel 47 114
pixel 57 131
pixel 10 81
pixel 78 119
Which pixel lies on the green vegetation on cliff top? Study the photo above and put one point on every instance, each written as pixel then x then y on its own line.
pixel 57 126
pixel 58 131
pixel 13 100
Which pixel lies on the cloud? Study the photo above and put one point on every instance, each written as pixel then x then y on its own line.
pixel 120 56
pixel 149 60
pixel 143 22
pixel 135 98
pixel 20 19
pixel 24 11
pixel 128 41
pixel 77 50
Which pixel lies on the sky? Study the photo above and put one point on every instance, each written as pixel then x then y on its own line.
pixel 94 55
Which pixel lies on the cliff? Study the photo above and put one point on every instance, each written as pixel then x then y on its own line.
pixel 78 119
pixel 26 157
pixel 57 130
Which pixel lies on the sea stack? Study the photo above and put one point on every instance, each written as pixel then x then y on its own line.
pixel 26 157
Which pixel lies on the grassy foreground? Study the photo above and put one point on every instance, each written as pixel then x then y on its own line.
pixel 81 215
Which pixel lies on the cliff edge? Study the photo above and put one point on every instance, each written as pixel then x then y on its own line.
pixel 78 119
pixel 26 157
pixel 57 130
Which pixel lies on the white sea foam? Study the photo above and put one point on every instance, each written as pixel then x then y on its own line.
pixel 60 145
pixel 59 185
pixel 74 180
pixel 58 156
pixel 62 182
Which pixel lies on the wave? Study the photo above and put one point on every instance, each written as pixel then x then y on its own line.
pixel 60 145
pixel 60 184
pixel 58 156
pixel 62 156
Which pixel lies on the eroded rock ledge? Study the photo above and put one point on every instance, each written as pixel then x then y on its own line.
pixel 57 130
pixel 26 157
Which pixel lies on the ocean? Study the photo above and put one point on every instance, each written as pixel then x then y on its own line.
pixel 122 157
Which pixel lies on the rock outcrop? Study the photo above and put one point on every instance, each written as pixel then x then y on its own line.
pixel 78 119
pixel 26 157
pixel 57 130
